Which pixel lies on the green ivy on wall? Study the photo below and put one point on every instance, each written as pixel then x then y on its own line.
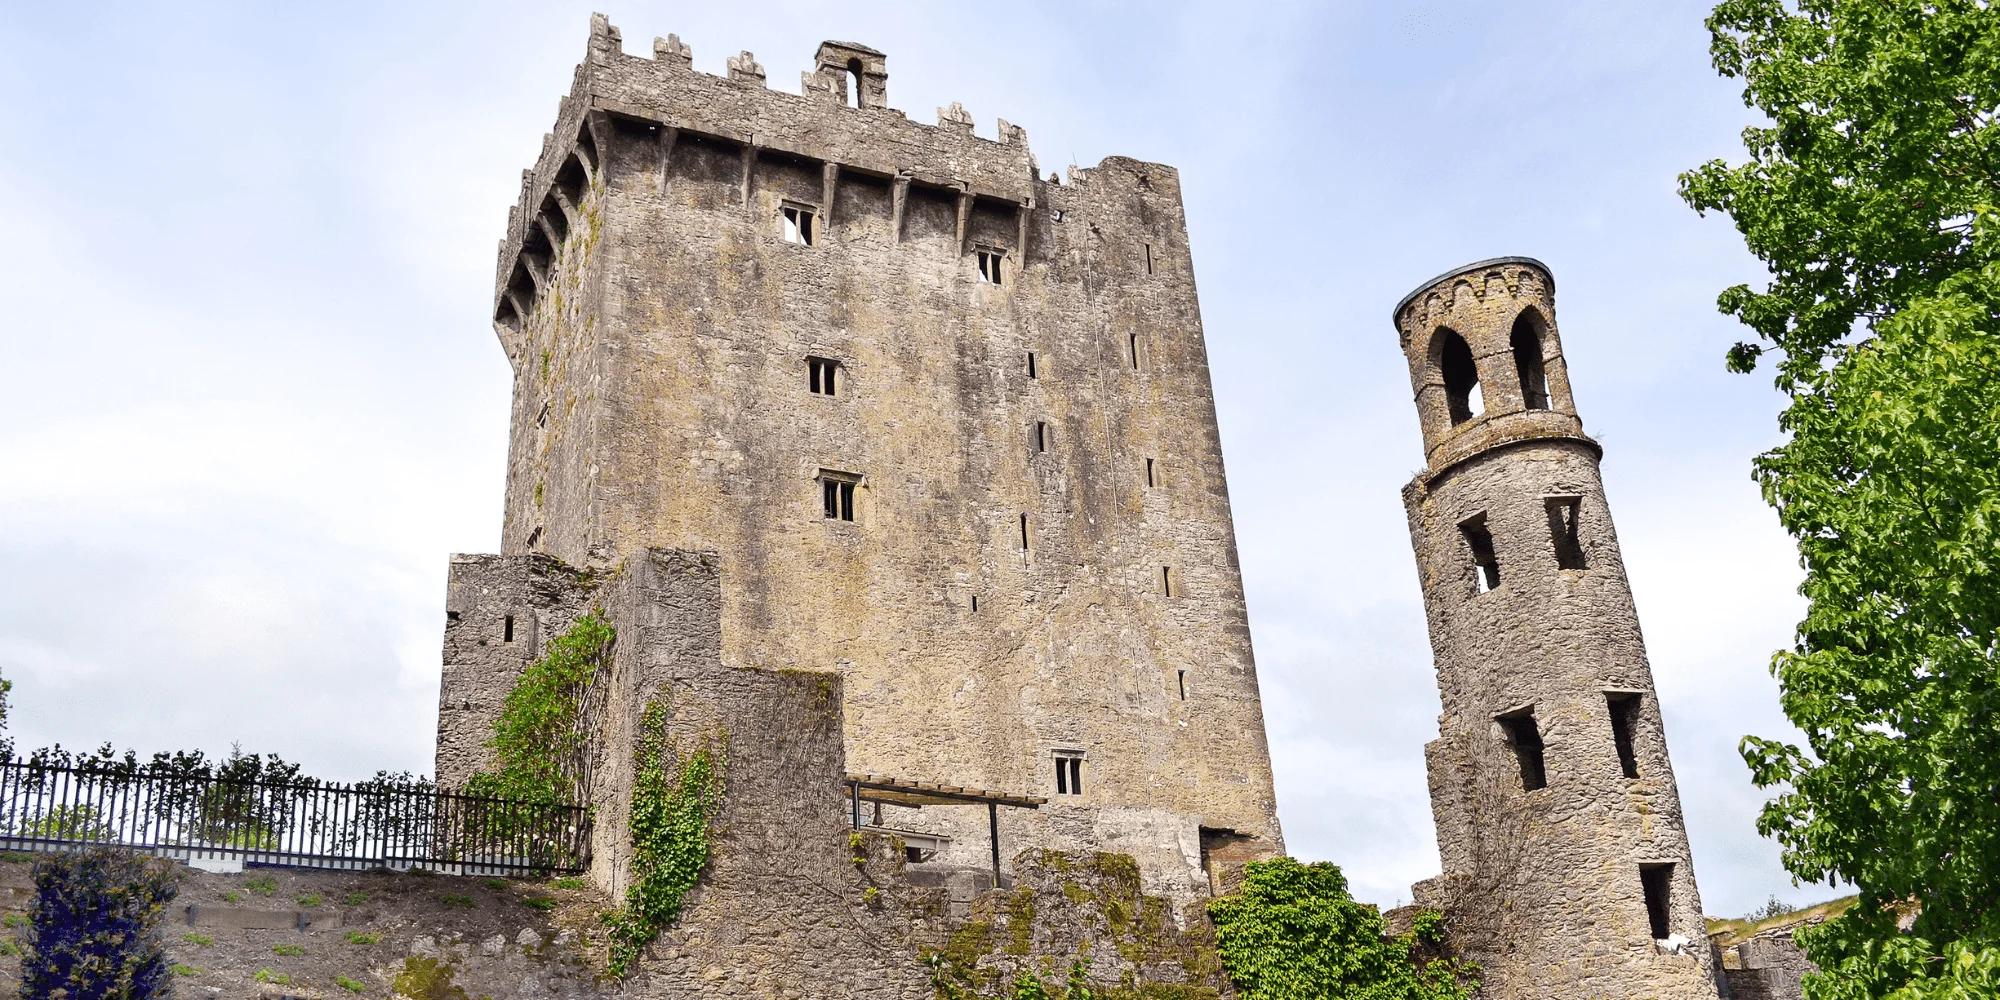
pixel 674 798
pixel 1292 932
pixel 536 733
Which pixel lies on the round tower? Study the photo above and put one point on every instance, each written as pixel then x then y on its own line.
pixel 1566 865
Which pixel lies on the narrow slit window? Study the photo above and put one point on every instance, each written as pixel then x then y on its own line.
pixel 542 418
pixel 1149 257
pixel 1151 477
pixel 507 630
pixel 1031 365
pixel 798 224
pixel 990 265
pixel 1183 681
pixel 1069 774
pixel 1658 882
pixel 1167 580
pixel 1024 532
pixel 837 495
pixel 1564 514
pixel 821 375
pixel 1524 738
pixel 1041 436
pixel 1624 712
pixel 1485 565
pixel 975 602
pixel 1132 343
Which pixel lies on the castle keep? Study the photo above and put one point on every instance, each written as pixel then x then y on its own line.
pixel 942 427
pixel 1566 865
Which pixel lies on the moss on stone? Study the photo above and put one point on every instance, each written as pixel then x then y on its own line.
pixel 425 978
pixel 1020 920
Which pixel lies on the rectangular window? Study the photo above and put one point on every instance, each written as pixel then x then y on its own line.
pixel 1524 737
pixel 975 602
pixel 1069 773
pixel 1031 365
pixel 798 224
pixel 1024 532
pixel 837 494
pixel 1624 712
pixel 1041 436
pixel 1167 580
pixel 1150 480
pixel 1658 881
pixel 1564 513
pixel 507 630
pixel 821 375
pixel 1485 566
pixel 989 265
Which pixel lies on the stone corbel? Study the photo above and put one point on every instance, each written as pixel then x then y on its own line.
pixel 829 185
pixel 964 212
pixel 669 137
pixel 899 196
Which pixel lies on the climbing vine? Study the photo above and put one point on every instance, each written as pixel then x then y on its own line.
pixel 536 734
pixel 1292 932
pixel 674 798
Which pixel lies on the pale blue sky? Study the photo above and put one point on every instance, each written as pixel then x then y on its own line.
pixel 254 399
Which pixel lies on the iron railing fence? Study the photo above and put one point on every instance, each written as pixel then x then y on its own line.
pixel 302 824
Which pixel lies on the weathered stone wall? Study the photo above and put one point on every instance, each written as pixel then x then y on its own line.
pixel 660 327
pixel 1543 887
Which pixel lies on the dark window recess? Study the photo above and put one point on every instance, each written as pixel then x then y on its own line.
pixel 1624 713
pixel 535 536
pixel 1132 341
pixel 1150 479
pixel 989 266
pixel 912 855
pixel 1525 739
pixel 1528 364
pixel 1183 680
pixel 1031 365
pixel 1485 565
pixel 1564 513
pixel 1069 774
pixel 1167 580
pixel 1149 257
pixel 1041 436
pixel 507 630
pixel 1461 379
pixel 798 224
pixel 1024 532
pixel 837 495
pixel 1658 881
pixel 542 418
pixel 822 375
pixel 975 602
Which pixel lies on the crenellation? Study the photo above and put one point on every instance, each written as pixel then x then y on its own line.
pixel 673 52
pixel 744 68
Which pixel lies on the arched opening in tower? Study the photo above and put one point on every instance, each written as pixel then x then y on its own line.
pixel 1527 343
pixel 853 83
pixel 1461 378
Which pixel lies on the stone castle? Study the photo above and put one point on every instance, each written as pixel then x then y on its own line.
pixel 897 462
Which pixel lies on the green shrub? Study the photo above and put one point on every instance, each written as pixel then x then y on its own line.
pixel 1292 932
pixel 362 937
pixel 459 900
pixel 350 985
pixel 262 885
pixel 355 899
pixel 94 928
pixel 199 940
pixel 287 950
pixel 309 899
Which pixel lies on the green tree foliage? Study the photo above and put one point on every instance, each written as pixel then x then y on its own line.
pixel 1870 197
pixel 674 798
pixel 1292 932
pixel 94 928
pixel 536 738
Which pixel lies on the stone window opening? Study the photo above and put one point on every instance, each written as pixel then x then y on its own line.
pixel 837 494
pixel 1069 772
pixel 542 418
pixel 975 602
pixel 851 83
pixel 1031 365
pixel 507 630
pixel 1461 379
pixel 1485 565
pixel 798 223
pixel 1564 514
pixel 821 375
pixel 1183 680
pixel 1624 706
pixel 1167 580
pixel 1132 342
pixel 1152 478
pixel 534 537
pixel 989 265
pixel 1657 880
pixel 1024 532
pixel 1524 738
pixel 1149 257
pixel 1042 437
pixel 1528 364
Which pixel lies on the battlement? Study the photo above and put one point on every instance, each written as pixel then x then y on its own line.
pixel 840 120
